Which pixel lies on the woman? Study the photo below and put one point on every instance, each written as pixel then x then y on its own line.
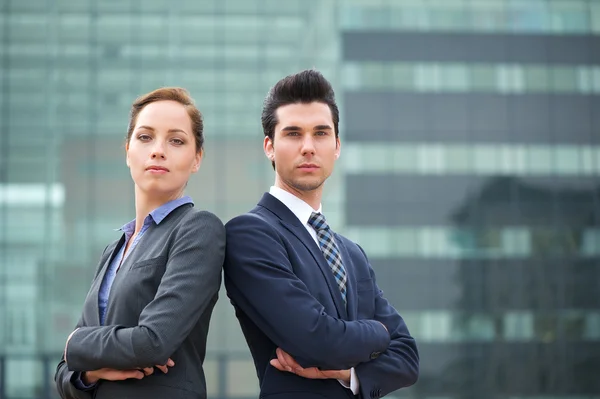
pixel 143 330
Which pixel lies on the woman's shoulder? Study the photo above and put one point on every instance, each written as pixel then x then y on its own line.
pixel 201 219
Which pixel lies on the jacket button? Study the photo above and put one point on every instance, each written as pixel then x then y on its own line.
pixel 375 355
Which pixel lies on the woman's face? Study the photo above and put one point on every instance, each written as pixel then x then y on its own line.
pixel 162 153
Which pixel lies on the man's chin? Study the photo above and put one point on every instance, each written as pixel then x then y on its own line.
pixel 306 185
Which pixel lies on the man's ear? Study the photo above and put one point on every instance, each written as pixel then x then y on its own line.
pixel 338 147
pixel 268 148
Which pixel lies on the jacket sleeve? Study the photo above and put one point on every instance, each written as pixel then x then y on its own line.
pixel 64 383
pixel 63 377
pixel 261 282
pixel 191 281
pixel 396 367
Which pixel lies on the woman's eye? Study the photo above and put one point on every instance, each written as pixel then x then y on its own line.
pixel 178 141
pixel 144 137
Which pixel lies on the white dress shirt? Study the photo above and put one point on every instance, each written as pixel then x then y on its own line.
pixel 303 211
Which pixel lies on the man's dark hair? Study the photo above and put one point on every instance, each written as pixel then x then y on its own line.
pixel 303 87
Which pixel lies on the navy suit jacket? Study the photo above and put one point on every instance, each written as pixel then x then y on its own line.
pixel 285 295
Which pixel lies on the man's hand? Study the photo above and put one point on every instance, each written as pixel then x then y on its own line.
pixel 92 377
pixel 285 362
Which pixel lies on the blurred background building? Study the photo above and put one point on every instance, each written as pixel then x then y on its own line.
pixel 470 169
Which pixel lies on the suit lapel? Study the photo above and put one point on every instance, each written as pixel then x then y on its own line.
pixel 291 223
pixel 112 252
pixel 351 295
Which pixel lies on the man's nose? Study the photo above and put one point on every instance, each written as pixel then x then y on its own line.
pixel 308 145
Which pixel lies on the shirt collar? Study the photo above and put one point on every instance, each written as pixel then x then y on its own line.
pixel 159 214
pixel 298 207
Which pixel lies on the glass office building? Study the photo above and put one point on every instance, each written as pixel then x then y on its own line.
pixel 470 169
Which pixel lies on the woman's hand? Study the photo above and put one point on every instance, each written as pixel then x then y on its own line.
pixel 92 377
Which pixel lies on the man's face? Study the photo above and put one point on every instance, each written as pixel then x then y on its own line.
pixel 304 148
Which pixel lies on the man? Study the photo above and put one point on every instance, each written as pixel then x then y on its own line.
pixel 306 298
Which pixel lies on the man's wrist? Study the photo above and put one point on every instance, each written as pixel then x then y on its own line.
pixel 344 375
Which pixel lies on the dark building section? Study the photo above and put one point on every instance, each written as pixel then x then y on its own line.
pixel 481 370
pixel 474 201
pixel 491 286
pixel 468 47
pixel 520 323
pixel 532 118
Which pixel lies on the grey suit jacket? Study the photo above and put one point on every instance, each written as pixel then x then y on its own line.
pixel 160 306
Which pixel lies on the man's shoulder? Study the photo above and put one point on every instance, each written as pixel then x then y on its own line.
pixel 258 216
pixel 352 247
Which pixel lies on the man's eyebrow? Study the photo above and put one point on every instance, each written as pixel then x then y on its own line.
pixel 289 128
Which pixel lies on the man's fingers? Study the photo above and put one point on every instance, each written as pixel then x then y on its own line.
pixel 170 363
pixel 148 370
pixel 164 369
pixel 275 363
pixel 290 360
pixel 282 359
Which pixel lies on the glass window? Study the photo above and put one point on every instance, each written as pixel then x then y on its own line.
pixel 584 80
pixel 431 158
pixel 373 76
pixel 488 15
pixel 241 380
pixel 516 241
pixel 413 15
pixel 592 326
pixel 588 162
pixel 455 77
pixel 448 14
pixel 427 77
pixel 23 377
pixel 537 78
pixel 405 158
pixel 352 159
pixel 436 326
pixel 569 16
pixel 458 158
pixel 596 79
pixel 483 78
pixel 478 327
pixel 351 76
pixel 590 245
pixel 540 159
pixel 513 159
pixel 527 15
pixel 406 242
pixel 486 159
pixel 595 16
pixel 351 17
pixel 545 326
pixel 567 159
pixel 564 79
pixel 518 326
pixel 510 79
pixel 402 76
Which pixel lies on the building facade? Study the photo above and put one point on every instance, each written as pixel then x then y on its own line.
pixel 470 169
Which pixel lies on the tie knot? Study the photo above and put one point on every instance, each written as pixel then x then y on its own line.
pixel 318 222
